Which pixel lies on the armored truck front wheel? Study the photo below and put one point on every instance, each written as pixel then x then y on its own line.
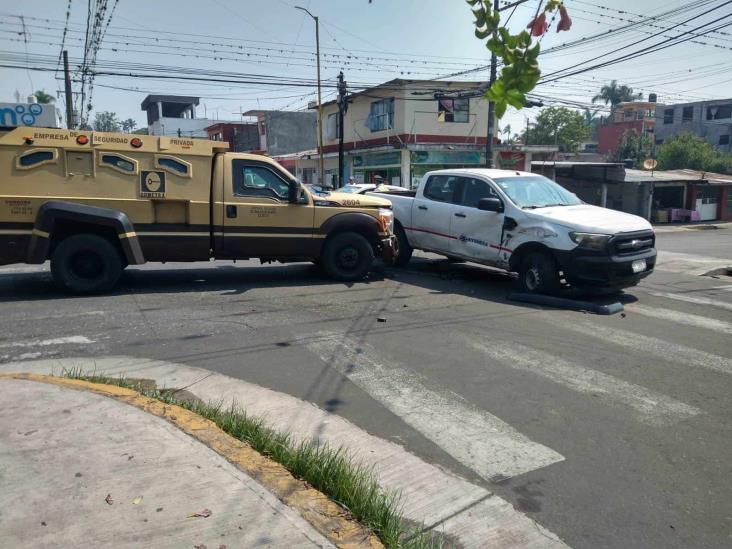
pixel 347 257
pixel 86 264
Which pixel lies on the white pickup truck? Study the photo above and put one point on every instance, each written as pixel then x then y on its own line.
pixel 525 223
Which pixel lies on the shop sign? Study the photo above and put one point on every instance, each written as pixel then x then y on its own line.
pixel 447 157
pixel 508 160
pixel 28 114
pixel 381 159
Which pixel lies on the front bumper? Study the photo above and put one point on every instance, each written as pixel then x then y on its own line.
pixel 388 248
pixel 583 268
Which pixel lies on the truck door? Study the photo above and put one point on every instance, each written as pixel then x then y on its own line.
pixel 258 220
pixel 432 213
pixel 477 232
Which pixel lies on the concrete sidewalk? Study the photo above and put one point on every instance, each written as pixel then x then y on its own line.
pixel 78 469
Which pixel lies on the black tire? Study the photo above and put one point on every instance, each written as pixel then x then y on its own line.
pixel 347 257
pixel 86 264
pixel 404 250
pixel 539 274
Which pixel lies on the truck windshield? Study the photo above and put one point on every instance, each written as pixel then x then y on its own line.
pixel 536 192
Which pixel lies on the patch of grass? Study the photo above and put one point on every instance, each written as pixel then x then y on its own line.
pixel 330 470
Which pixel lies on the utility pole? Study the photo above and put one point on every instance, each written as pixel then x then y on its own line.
pixel 491 106
pixel 342 108
pixel 320 105
pixel 67 93
pixel 527 131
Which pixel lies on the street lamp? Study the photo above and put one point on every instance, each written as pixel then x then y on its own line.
pixel 320 106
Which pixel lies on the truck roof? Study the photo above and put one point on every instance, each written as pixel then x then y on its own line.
pixel 83 139
pixel 485 172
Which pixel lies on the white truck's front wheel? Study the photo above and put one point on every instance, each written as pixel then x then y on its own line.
pixel 538 274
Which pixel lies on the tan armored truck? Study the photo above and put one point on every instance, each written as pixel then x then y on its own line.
pixel 95 202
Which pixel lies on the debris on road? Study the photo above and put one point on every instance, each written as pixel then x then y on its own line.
pixel 109 499
pixel 203 514
pixel 137 500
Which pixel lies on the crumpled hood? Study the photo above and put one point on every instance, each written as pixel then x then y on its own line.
pixel 591 219
pixel 349 200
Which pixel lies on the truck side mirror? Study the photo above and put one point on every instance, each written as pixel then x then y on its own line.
pixel 490 205
pixel 293 192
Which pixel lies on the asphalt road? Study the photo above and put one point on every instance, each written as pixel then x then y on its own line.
pixel 609 431
pixel 711 242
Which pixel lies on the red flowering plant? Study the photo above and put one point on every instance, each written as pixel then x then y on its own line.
pixel 518 53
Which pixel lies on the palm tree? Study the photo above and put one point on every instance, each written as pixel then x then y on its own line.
pixel 613 94
pixel 593 121
pixel 128 125
pixel 44 98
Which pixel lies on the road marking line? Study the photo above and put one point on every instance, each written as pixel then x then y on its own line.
pixel 666 350
pixel 477 439
pixel 681 318
pixel 693 299
pixel 654 408
pixel 70 340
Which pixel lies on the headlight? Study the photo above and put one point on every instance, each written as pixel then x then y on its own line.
pixel 590 241
pixel 386 220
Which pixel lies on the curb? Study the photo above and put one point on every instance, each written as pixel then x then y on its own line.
pixel 328 518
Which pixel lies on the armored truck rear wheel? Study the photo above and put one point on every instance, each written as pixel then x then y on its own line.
pixel 86 264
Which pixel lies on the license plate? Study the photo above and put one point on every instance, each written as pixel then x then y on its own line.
pixel 639 266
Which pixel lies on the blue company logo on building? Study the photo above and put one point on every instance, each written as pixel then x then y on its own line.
pixel 27 115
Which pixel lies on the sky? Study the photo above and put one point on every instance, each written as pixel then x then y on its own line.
pixel 371 42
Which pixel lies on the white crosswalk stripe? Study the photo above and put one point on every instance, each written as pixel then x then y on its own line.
pixel 694 299
pixel 474 437
pixel 652 407
pixel 663 350
pixel 679 317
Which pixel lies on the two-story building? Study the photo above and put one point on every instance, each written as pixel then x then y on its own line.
pixel 174 115
pixel 711 120
pixel 402 129
pixel 635 116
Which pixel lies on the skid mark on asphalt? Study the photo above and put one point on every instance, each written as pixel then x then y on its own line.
pixel 69 340
pixel 681 318
pixel 646 345
pixel 652 407
pixel 477 439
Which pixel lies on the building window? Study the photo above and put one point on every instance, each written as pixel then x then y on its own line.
pixel 332 127
pixel 687 114
pixel 173 165
pixel 36 158
pixel 453 110
pixel 381 115
pixel 258 181
pixel 668 116
pixel 724 139
pixel 719 112
pixel 119 163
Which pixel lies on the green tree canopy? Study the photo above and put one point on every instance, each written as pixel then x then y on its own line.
pixel 44 98
pixel 106 121
pixel 612 94
pixel 560 126
pixel 128 125
pixel 689 151
pixel 633 146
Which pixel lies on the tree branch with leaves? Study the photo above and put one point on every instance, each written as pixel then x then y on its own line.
pixel 518 53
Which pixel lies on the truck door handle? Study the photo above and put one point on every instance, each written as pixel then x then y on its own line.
pixel 422 207
pixel 230 211
pixel 460 215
